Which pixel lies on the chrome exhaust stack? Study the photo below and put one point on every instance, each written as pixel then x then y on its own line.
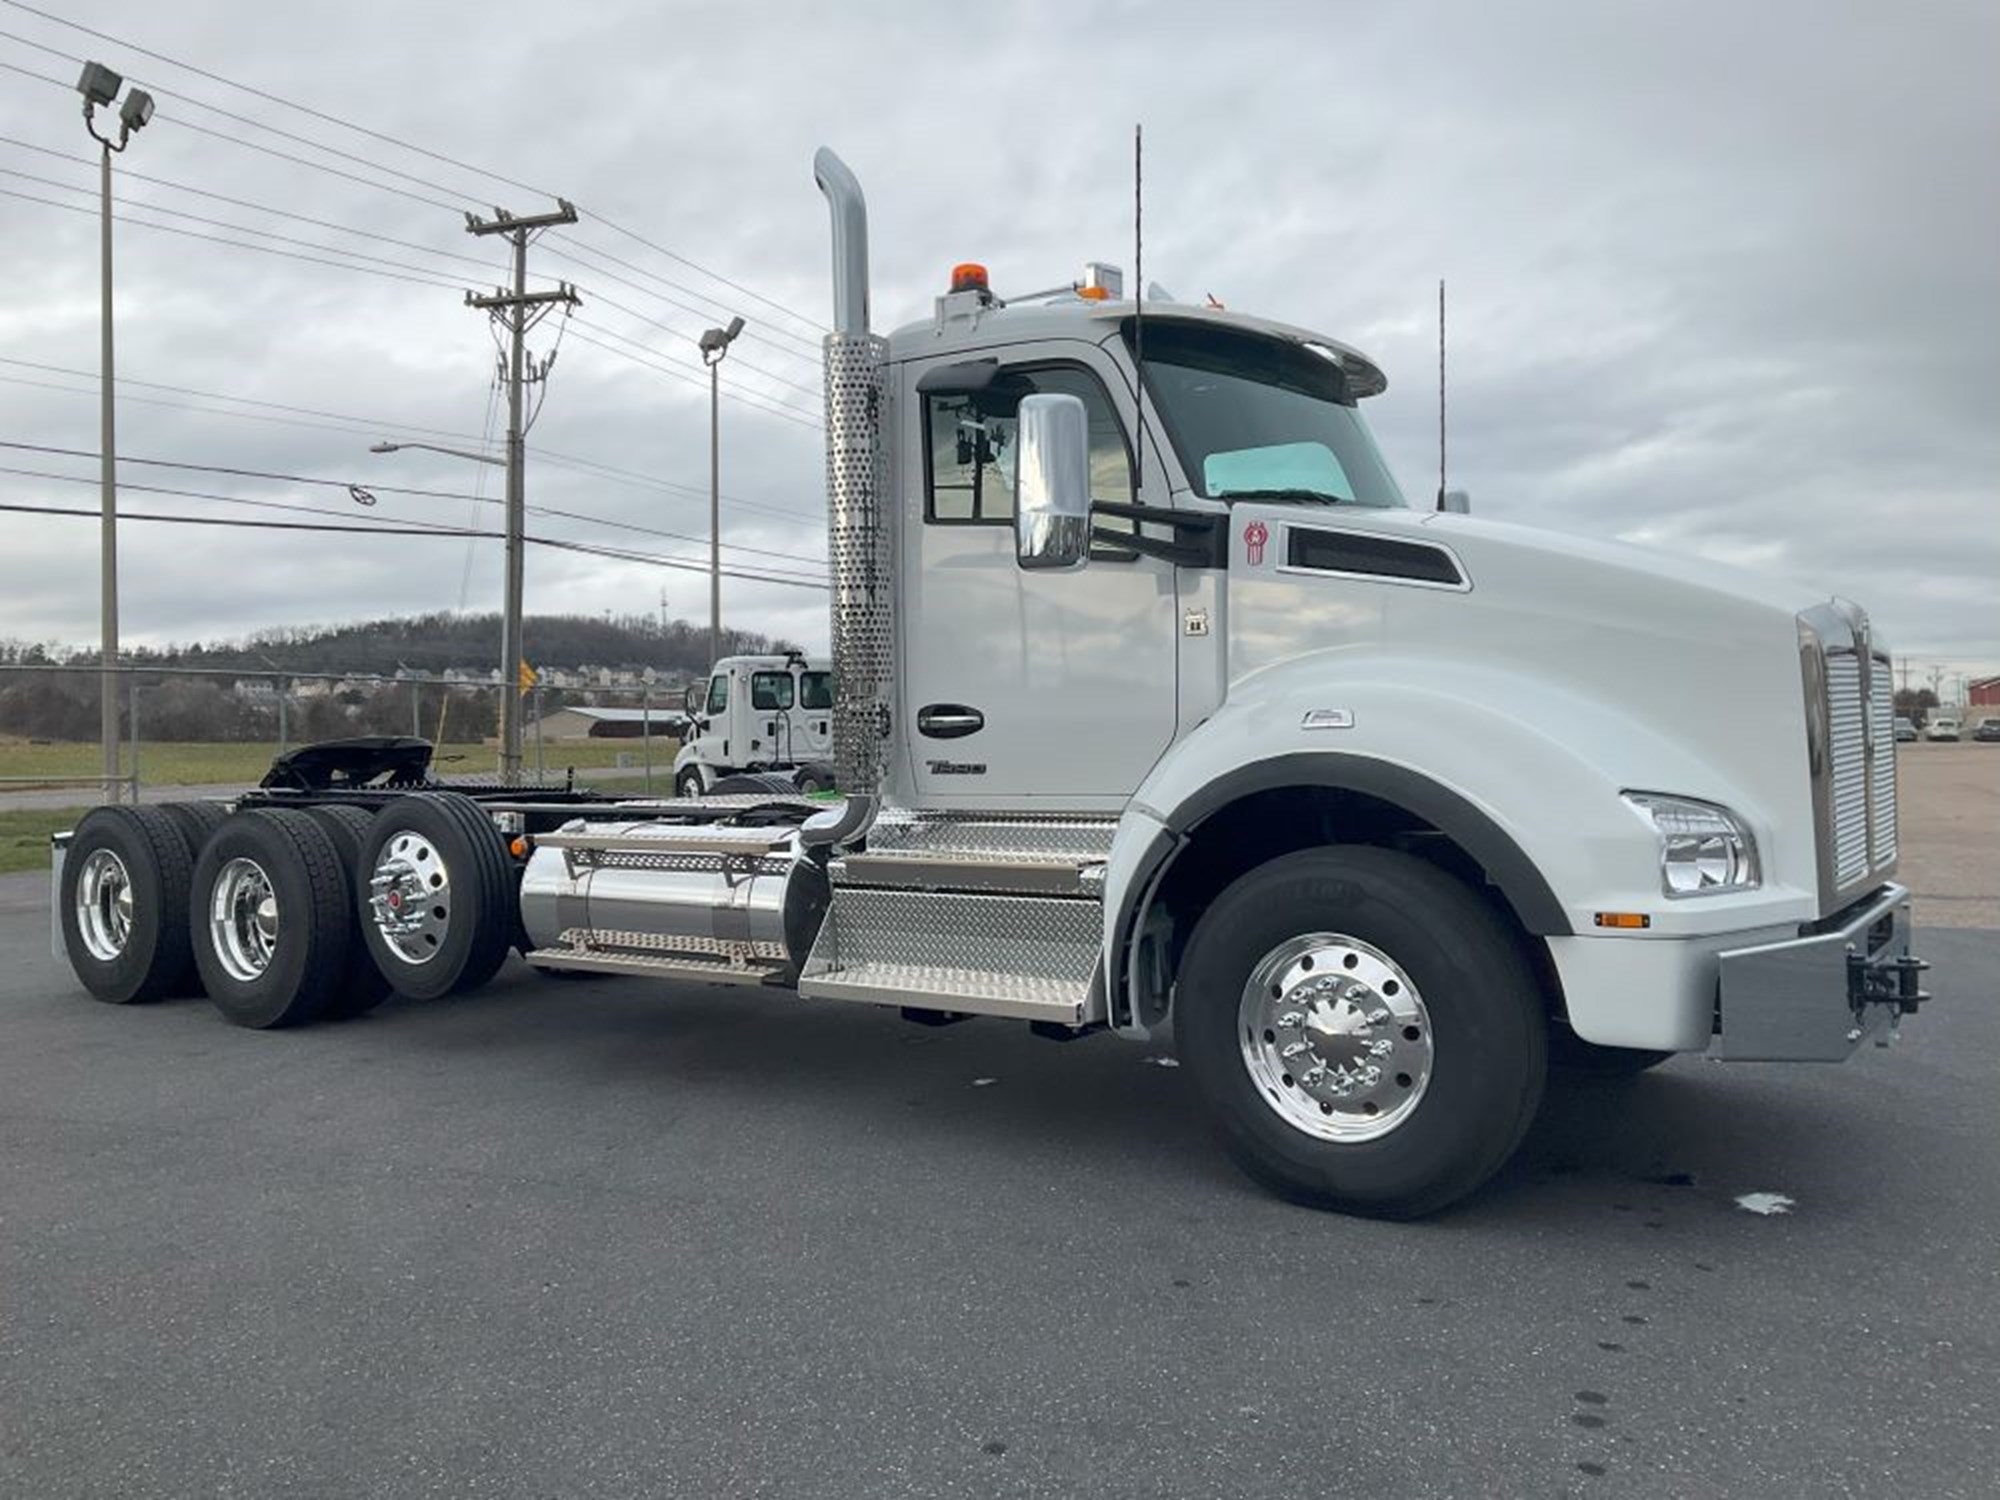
pixel 859 566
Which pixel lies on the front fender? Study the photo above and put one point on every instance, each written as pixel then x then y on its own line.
pixel 1523 772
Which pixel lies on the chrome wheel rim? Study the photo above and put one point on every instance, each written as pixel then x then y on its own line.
pixel 104 905
pixel 409 898
pixel 1335 1037
pixel 243 919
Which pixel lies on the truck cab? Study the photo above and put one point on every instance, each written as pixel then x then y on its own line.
pixel 764 713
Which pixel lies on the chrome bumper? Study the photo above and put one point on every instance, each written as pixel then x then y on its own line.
pixel 1817 997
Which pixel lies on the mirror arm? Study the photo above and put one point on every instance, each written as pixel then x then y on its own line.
pixel 1201 538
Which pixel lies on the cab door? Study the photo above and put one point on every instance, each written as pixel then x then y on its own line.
pixel 1025 688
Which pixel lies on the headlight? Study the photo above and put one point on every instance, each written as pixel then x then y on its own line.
pixel 1704 849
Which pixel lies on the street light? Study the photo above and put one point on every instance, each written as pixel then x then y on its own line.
pixel 714 346
pixel 100 86
pixel 479 458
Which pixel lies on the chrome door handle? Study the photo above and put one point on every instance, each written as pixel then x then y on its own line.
pixel 949 721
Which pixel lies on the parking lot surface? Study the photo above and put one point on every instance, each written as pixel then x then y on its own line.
pixel 623 1238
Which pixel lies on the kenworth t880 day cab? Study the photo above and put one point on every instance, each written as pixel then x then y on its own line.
pixel 1157 710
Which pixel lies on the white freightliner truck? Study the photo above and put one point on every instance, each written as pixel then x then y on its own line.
pixel 768 714
pixel 1158 710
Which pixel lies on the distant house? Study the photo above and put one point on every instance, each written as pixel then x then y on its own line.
pixel 609 723
pixel 1983 692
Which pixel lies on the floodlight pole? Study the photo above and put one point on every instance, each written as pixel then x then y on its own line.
pixel 107 448
pixel 100 85
pixel 714 345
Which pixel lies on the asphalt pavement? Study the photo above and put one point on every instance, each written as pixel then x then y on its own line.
pixel 619 1238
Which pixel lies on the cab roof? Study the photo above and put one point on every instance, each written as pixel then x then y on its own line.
pixel 964 323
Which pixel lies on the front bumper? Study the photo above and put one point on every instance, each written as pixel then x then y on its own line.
pixel 1818 996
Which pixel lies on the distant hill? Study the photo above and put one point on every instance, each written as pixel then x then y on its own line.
pixel 433 643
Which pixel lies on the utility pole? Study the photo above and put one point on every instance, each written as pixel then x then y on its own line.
pixel 517 311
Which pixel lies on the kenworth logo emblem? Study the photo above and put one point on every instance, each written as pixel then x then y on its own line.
pixel 1255 535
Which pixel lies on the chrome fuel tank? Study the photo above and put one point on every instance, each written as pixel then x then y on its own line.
pixel 741 895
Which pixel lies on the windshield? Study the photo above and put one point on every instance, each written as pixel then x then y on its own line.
pixel 1252 415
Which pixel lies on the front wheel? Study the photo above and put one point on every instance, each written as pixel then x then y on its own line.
pixel 689 782
pixel 1365 1030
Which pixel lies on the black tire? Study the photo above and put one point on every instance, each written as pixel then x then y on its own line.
pixel 151 958
pixel 689 782
pixel 813 778
pixel 1571 1054
pixel 362 986
pixel 469 943
pixel 1488 1053
pixel 196 821
pixel 301 970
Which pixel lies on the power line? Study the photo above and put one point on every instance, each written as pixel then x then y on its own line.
pixel 774 408
pixel 411 146
pixel 305 109
pixel 267 234
pixel 372 488
pixel 364 426
pixel 637 238
pixel 811 350
pixel 160 89
pixel 421 277
pixel 273 151
pixel 359 426
pixel 739 362
pixel 617 554
pixel 157 489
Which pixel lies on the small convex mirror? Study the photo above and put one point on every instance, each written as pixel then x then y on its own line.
pixel 1052 483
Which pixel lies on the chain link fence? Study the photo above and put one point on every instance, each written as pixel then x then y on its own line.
pixel 190 727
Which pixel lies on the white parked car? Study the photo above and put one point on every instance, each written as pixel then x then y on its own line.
pixel 1941 729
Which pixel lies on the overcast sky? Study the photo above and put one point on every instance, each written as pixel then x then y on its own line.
pixel 1723 278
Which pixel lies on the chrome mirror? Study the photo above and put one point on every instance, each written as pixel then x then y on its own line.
pixel 1052 483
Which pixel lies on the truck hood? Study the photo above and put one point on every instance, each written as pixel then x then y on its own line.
pixel 1524 594
pixel 1662 672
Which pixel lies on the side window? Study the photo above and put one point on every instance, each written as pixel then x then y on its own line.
pixel 770 690
pixel 816 690
pixel 718 693
pixel 971 445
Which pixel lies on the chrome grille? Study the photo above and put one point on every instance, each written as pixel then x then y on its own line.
pixel 1850 716
pixel 1882 774
pixel 1847 755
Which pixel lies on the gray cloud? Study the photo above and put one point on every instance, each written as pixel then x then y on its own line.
pixel 1720 280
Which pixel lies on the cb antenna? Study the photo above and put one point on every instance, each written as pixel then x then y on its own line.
pixel 1441 478
pixel 1139 299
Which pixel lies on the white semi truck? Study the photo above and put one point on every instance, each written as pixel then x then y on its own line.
pixel 1158 711
pixel 759 715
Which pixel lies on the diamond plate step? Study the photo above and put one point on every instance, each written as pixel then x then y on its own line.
pixel 967 991
pixel 993 835
pixel 984 954
pixel 955 870
pixel 658 966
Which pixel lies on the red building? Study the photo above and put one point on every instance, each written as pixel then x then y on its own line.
pixel 1983 692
